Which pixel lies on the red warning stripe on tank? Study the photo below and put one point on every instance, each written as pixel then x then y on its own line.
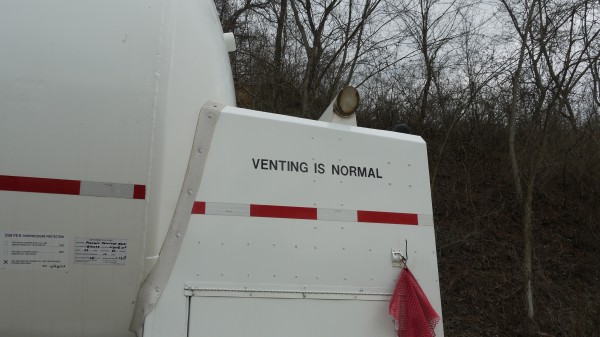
pixel 286 212
pixel 303 213
pixel 72 187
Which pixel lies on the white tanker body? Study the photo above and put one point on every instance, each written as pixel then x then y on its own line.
pixel 127 202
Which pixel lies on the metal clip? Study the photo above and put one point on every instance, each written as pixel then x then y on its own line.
pixel 398 259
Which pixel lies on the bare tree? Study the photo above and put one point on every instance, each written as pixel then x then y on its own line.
pixel 552 45
pixel 332 43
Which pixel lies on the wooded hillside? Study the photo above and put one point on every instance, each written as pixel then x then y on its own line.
pixel 506 93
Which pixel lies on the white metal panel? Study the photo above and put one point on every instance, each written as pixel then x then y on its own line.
pixel 277 254
pixel 82 300
pixel 221 317
pixel 401 160
pixel 221 251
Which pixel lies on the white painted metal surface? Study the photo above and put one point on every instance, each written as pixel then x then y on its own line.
pixel 104 95
pixel 98 108
pixel 153 286
pixel 240 270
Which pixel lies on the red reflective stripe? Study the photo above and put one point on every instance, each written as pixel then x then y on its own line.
pixel 287 212
pixel 139 191
pixel 39 185
pixel 388 217
pixel 60 186
pixel 199 207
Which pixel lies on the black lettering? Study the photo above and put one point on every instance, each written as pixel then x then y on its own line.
pixel 255 162
pixel 344 170
pixel 362 171
pixel 293 166
pixel 272 164
pixel 321 168
pixel 371 173
pixel 303 167
pixel 378 176
pixel 353 171
pixel 335 169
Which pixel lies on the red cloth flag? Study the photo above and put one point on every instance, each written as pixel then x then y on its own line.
pixel 414 315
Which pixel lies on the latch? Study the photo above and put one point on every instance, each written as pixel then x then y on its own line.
pixel 398 259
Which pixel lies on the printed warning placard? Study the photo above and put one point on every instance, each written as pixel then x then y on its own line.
pixel 33 251
pixel 100 251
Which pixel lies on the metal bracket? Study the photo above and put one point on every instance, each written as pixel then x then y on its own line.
pixel 398 259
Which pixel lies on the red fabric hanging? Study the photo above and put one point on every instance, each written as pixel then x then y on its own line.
pixel 414 315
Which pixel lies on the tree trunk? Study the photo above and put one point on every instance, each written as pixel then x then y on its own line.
pixel 278 58
pixel 531 326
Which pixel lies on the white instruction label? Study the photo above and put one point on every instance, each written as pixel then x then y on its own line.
pixel 33 251
pixel 100 251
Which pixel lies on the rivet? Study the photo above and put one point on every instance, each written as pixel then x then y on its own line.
pixel 157 289
pixel 200 150
pixel 345 279
pixel 178 235
pixel 274 275
pixel 343 248
pixel 389 162
pixel 197 274
pixel 409 185
pixel 295 276
pixel 209 115
pixel 190 192
pixel 248 275
pixel 408 164
pixel 342 227
pixel 315 247
pixel 222 243
pixel 316 277
pixel 273 245
pixel 370 249
pixel 221 274
pixel 295 246
pixel 248 244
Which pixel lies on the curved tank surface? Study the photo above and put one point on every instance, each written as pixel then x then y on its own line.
pixel 98 106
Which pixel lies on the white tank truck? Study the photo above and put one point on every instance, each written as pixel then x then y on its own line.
pixel 135 198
